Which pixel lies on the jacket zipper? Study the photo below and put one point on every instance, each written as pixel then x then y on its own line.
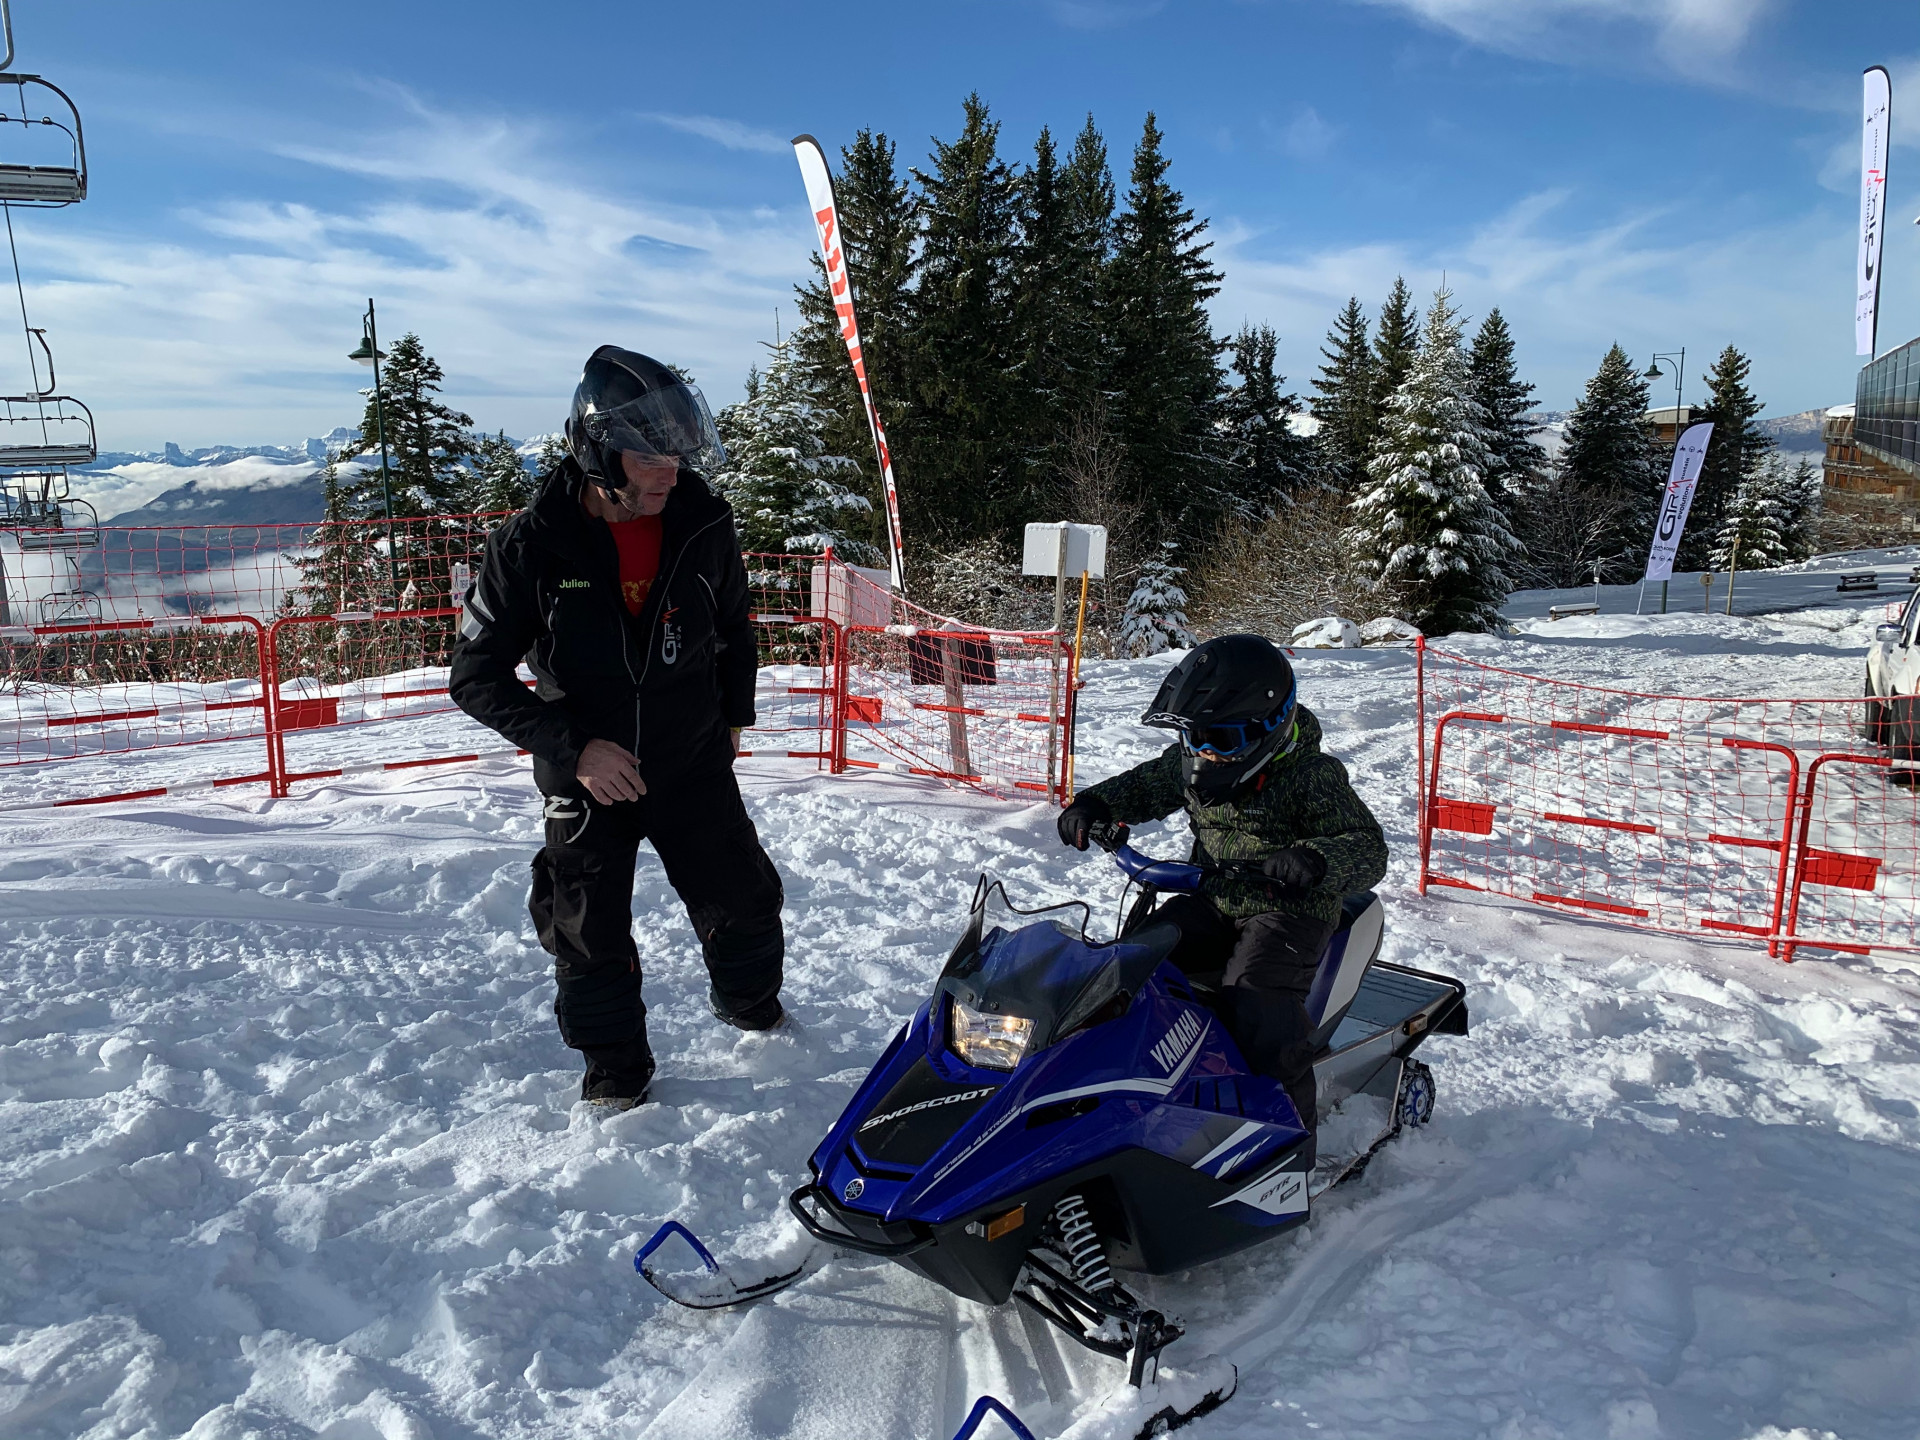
pixel 646 663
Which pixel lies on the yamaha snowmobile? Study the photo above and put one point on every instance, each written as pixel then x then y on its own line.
pixel 1060 1108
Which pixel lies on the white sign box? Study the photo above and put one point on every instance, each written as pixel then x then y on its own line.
pixel 1086 550
pixel 853 595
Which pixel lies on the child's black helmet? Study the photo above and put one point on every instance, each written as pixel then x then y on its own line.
pixel 1231 700
pixel 629 401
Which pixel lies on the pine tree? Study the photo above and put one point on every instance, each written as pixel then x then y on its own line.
pixel 1514 460
pixel 1087 214
pixel 1156 617
pixel 501 482
pixel 1343 399
pixel 1066 219
pixel 553 449
pixel 1270 460
pixel 427 440
pixel 1166 359
pixel 1427 529
pixel 1752 532
pixel 1734 455
pixel 789 492
pixel 1395 343
pixel 1804 491
pixel 965 426
pixel 1611 464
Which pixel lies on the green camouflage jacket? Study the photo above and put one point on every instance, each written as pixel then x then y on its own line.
pixel 1303 799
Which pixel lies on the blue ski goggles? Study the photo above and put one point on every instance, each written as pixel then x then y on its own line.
pixel 1224 739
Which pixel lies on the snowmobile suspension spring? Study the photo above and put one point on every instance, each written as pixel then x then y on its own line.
pixel 1084 1252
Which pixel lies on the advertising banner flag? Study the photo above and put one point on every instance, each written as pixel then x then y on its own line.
pixel 1876 125
pixel 1688 456
pixel 826 224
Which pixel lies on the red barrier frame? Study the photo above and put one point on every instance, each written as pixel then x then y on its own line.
pixel 1833 864
pixel 101 627
pixel 1476 817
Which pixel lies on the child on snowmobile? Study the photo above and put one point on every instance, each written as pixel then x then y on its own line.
pixel 1278 817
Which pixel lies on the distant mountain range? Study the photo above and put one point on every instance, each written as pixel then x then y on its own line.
pixel 1796 434
pixel 227 484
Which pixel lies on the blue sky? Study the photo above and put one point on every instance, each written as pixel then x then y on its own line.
pixel 520 183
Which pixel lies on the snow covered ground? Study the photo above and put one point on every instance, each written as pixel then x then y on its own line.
pixel 289 1146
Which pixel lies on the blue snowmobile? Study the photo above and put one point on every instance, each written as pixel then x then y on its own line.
pixel 1060 1108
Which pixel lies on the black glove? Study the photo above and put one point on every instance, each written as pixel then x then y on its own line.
pixel 1081 817
pixel 1295 871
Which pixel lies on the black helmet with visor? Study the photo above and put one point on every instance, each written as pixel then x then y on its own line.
pixel 1232 702
pixel 627 401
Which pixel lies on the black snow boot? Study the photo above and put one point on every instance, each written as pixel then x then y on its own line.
pixel 617 1079
pixel 761 1016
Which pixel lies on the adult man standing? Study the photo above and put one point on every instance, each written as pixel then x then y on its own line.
pixel 623 589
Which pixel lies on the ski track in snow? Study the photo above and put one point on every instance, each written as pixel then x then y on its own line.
pixel 289 1146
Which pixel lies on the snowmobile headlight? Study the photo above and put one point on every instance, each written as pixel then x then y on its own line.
pixel 992 1042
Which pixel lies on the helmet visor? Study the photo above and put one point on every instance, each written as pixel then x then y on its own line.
pixel 671 424
pixel 1221 739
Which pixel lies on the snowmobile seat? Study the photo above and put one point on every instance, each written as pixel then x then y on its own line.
pixel 1355 943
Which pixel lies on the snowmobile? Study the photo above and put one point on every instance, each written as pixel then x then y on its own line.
pixel 1060 1108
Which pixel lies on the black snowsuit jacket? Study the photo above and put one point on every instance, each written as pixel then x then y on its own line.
pixel 667 684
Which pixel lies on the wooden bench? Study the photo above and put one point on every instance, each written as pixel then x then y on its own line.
pixel 1584 607
pixel 1861 580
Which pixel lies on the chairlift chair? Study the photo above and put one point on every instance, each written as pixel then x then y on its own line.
pixel 38 514
pixel 71 607
pixel 24 183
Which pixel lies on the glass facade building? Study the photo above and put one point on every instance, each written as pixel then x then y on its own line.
pixel 1886 408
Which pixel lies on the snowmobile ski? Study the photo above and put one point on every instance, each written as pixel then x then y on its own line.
pixel 983 1407
pixel 712 1289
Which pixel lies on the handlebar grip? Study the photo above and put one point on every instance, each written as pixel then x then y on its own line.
pixel 1109 835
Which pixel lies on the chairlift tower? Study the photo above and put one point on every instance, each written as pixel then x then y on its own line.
pixel 43 166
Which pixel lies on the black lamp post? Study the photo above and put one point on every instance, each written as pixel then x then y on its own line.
pixel 1679 363
pixel 368 353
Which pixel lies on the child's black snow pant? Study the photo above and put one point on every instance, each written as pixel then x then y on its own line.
pixel 1265 966
pixel 582 906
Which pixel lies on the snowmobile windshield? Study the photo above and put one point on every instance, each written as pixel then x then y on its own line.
pixel 1050 975
pixel 667 424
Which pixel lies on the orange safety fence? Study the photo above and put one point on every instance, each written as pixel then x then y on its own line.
pixel 322 645
pixel 927 695
pixel 1776 819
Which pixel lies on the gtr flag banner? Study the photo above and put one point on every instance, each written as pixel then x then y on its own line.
pixel 826 222
pixel 1688 456
pixel 1876 123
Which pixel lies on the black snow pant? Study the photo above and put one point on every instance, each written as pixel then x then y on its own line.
pixel 1264 966
pixel 582 906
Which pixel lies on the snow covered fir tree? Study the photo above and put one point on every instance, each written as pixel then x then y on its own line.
pixel 1596 506
pixel 790 494
pixel 1426 529
pixel 1156 615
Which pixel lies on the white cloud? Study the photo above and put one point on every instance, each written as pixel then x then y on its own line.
pixel 1781 292
pixel 731 133
pixel 1691 36
pixel 1307 136
pixel 510 267
pixel 127 487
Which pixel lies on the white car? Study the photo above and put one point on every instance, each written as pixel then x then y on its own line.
pixel 1893 684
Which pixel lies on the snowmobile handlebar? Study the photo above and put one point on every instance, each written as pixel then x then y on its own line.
pixel 1177 877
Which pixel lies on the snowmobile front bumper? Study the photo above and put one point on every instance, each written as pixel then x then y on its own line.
pixel 853 1230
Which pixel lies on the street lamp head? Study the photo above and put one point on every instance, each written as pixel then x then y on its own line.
pixel 366 354
pixel 1653 371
